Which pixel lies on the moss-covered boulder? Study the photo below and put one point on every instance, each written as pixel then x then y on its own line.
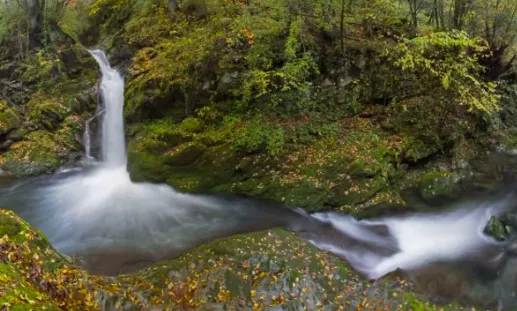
pixel 42 152
pixel 185 154
pixel 503 227
pixel 272 270
pixel 33 276
pixel 333 165
pixel 9 118
pixel 496 229
pixel 46 113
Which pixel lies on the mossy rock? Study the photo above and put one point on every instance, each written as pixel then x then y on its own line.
pixel 18 294
pixel 47 113
pixel 436 184
pixel 192 125
pixel 502 228
pixel 17 134
pixel 145 166
pixel 357 191
pixel 264 270
pixel 184 154
pixel 9 118
pixel 40 152
pixel 33 276
pixel 362 168
pixel 496 229
pixel 415 149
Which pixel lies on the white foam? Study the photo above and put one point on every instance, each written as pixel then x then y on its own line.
pixel 421 238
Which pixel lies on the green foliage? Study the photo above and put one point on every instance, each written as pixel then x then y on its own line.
pixel 192 125
pixel 47 113
pixel 446 90
pixel 383 12
pixel 15 22
pixel 13 28
pixel 100 5
pixel 448 63
pixel 39 68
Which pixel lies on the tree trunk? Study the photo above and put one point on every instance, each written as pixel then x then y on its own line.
pixel 441 15
pixel 461 8
pixel 413 9
pixel 438 14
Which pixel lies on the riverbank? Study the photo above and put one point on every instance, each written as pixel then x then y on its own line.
pixel 258 271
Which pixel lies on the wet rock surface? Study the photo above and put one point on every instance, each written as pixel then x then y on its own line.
pixel 266 270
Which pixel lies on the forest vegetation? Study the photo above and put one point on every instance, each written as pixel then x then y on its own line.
pixel 320 104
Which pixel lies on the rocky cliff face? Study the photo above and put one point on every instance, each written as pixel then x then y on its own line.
pixel 43 112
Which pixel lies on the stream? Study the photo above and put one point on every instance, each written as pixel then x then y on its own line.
pixel 96 213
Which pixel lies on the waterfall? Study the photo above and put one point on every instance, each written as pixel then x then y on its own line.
pixel 87 137
pixel 100 214
pixel 421 239
pixel 112 95
pixel 87 141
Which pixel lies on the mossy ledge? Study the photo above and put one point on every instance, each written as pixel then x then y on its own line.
pixel 259 271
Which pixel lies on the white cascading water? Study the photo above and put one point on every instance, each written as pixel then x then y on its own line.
pixel 112 92
pixel 421 238
pixel 102 210
pixel 87 141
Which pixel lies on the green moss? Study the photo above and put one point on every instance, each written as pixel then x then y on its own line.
pixel 17 134
pixel 496 229
pixel 40 152
pixel 145 166
pixel 9 118
pixel 46 112
pixel 19 295
pixel 360 191
pixel 184 154
pixel 436 184
pixel 192 125
pixel 327 171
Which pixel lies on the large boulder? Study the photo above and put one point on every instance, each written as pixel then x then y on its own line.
pixel 41 151
pixel 271 270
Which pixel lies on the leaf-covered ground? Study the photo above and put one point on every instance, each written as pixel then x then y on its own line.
pixel 271 270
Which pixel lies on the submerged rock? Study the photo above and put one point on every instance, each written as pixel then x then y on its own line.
pixel 496 229
pixel 503 227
